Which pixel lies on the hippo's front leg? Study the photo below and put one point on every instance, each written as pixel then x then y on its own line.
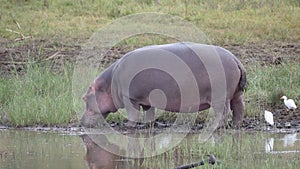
pixel 133 111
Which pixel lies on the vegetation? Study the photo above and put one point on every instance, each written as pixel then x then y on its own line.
pixel 38 95
pixel 228 21
pixel 270 82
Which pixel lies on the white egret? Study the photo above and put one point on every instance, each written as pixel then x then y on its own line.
pixel 289 103
pixel 269 117
pixel 269 145
pixel 289 139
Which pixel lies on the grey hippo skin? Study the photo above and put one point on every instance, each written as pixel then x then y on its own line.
pixel 164 77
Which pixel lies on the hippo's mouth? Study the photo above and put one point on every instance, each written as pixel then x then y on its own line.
pixel 90 120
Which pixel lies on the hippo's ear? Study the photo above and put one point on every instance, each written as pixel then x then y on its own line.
pixel 83 136
pixel 100 85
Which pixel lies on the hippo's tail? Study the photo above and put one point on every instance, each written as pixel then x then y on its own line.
pixel 243 78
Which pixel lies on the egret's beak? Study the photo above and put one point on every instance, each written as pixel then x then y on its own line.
pixel 282 97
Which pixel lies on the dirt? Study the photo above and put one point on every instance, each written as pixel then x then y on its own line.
pixel 15 56
pixel 284 120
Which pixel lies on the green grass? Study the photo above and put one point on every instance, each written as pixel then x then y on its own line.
pixel 37 97
pixel 224 22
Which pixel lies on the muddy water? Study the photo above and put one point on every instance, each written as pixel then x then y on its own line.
pixel 31 149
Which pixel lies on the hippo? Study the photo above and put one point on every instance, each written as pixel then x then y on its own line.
pixel 181 77
pixel 98 157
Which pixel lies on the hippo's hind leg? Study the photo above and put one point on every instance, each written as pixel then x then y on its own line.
pixel 238 108
pixel 133 111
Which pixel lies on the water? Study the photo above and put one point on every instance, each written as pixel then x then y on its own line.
pixel 31 149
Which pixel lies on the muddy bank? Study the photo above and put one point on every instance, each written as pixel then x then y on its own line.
pixel 283 124
pixel 15 57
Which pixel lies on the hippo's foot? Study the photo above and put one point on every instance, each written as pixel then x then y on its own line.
pixel 236 125
pixel 233 125
pixel 223 125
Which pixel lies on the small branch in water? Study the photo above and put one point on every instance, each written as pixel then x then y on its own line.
pixel 211 160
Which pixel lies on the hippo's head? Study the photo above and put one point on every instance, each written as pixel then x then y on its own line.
pixel 99 103
pixel 96 156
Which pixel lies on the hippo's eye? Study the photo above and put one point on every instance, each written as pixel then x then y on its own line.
pixel 84 98
pixel 101 89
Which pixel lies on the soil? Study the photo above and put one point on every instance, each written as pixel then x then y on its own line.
pixel 15 56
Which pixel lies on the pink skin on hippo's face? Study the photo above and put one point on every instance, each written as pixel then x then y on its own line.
pixel 98 103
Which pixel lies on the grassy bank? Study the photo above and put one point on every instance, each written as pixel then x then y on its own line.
pixel 223 21
pixel 37 95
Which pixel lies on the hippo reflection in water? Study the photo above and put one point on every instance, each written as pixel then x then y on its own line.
pixel 164 77
pixel 99 158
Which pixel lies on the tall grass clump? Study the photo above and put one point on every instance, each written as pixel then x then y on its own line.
pixel 37 97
